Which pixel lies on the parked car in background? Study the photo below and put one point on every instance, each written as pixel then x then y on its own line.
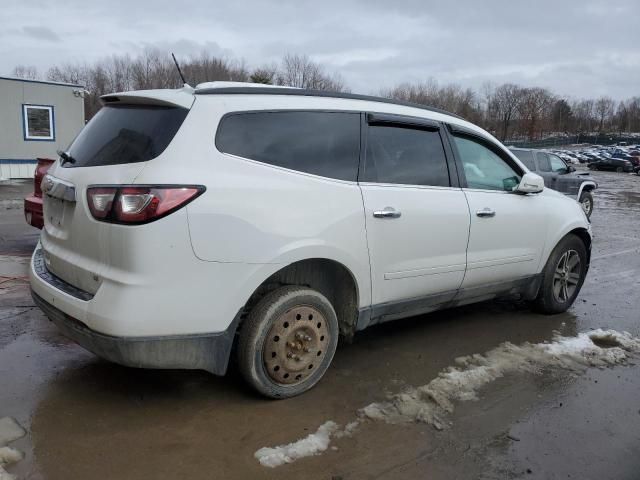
pixel 635 161
pixel 560 176
pixel 612 164
pixel 184 225
pixel 33 203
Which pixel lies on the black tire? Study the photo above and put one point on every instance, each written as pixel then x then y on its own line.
pixel 549 301
pixel 586 201
pixel 255 362
pixel 619 169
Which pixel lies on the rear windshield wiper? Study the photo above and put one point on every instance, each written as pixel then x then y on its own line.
pixel 66 157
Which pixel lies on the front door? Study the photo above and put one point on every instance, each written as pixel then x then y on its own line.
pixel 417 222
pixel 507 231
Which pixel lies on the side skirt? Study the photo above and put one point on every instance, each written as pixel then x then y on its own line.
pixel 527 287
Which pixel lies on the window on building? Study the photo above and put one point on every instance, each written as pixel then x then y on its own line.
pixel 38 122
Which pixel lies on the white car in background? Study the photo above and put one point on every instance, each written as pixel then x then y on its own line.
pixel 182 225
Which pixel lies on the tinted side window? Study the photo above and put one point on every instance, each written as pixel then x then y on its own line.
pixel 543 162
pixel 557 165
pixel 321 143
pixel 483 168
pixel 526 157
pixel 405 156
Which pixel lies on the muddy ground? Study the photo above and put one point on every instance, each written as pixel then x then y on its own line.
pixel 87 418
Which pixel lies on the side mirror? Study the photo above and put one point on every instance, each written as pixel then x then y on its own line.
pixel 530 183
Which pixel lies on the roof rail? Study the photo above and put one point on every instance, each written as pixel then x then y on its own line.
pixel 270 90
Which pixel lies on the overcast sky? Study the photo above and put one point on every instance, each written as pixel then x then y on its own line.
pixel 576 48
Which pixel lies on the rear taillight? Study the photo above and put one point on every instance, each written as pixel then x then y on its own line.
pixel 39 173
pixel 134 205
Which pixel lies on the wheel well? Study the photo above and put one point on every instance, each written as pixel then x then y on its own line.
pixel 583 235
pixel 588 188
pixel 328 277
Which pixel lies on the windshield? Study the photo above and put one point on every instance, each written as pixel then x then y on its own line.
pixel 120 134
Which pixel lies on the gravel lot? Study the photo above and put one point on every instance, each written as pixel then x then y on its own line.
pixel 86 418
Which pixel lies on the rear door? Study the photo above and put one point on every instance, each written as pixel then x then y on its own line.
pixel 113 148
pixel 416 215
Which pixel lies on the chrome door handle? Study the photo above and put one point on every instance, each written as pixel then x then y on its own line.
pixel 486 212
pixel 387 212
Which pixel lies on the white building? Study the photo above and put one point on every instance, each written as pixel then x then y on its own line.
pixel 37 118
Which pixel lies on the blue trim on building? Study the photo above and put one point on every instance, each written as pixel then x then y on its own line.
pixel 26 80
pixel 24 123
pixel 17 161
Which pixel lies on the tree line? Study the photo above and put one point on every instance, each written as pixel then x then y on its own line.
pixel 509 111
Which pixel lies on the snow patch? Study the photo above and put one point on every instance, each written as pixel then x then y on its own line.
pixel 9 431
pixel 9 455
pixel 431 403
pixel 312 444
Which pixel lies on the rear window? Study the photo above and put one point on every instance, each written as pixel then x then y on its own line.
pixel 121 134
pixel 526 157
pixel 321 143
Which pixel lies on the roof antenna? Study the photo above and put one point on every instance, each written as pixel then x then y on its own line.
pixel 179 71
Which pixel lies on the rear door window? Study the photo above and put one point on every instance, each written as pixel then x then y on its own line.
pixel 526 157
pixel 543 162
pixel 405 156
pixel 320 143
pixel 120 134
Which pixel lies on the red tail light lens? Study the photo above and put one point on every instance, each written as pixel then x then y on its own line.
pixel 38 174
pixel 135 205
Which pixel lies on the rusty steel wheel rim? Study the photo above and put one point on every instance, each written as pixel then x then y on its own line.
pixel 296 345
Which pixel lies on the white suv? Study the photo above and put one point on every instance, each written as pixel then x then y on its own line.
pixel 184 225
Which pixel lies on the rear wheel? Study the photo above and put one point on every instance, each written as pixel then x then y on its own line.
pixel 288 341
pixel 563 276
pixel 619 169
pixel 586 202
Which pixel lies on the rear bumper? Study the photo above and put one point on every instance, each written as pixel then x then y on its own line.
pixel 33 211
pixel 208 352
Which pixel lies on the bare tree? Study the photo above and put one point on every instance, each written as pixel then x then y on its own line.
pixel 28 72
pixel 604 110
pixel 508 110
pixel 452 97
pixel 533 108
pixel 265 74
pixel 300 71
pixel 504 104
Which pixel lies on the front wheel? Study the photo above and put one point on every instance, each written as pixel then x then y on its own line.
pixel 586 202
pixel 563 276
pixel 288 341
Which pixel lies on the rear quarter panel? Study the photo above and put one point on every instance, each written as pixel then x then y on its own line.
pixel 252 213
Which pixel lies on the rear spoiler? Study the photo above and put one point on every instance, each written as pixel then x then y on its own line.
pixel 182 97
